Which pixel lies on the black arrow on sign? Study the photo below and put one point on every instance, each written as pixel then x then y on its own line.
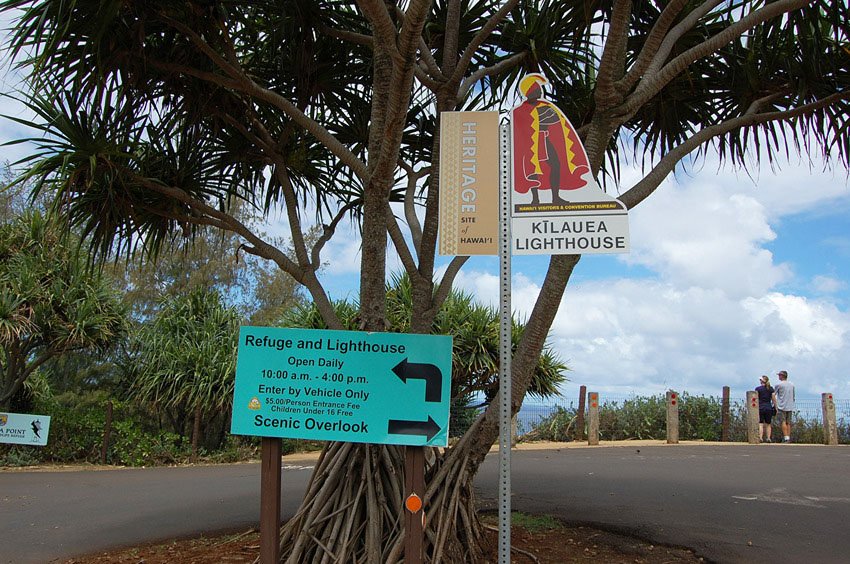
pixel 402 427
pixel 428 372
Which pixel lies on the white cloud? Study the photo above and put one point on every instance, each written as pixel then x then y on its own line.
pixel 828 284
pixel 342 256
pixel 699 235
pixel 644 336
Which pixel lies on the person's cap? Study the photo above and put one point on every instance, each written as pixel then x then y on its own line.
pixel 782 373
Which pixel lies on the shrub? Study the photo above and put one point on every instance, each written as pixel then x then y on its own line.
pixel 645 417
pixel 559 426
pixel 637 418
pixel 700 418
pixel 18 455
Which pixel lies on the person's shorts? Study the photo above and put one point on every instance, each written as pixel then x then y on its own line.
pixel 765 416
pixel 784 416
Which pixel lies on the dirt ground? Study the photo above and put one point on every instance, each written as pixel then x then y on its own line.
pixel 548 543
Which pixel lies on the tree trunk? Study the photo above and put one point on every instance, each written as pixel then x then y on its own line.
pixel 353 508
pixel 196 433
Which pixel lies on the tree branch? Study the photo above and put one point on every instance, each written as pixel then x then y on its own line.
pixel 451 40
pixel 422 75
pixel 613 61
pixel 669 40
pixel 350 36
pixel 305 276
pixel 410 203
pixel 243 83
pixel 651 181
pixel 207 76
pixel 231 222
pixel 321 134
pixel 204 47
pixel 652 85
pixel 400 244
pixel 479 39
pixel 480 74
pixel 428 59
pixel 328 232
pixel 651 45
pixel 382 24
pixel 447 281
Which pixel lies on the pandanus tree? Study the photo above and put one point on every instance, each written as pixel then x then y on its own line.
pixel 185 360
pixel 157 113
pixel 52 302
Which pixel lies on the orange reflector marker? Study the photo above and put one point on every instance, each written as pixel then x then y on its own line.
pixel 413 503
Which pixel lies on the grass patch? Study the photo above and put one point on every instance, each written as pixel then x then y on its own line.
pixel 531 523
pixel 535 523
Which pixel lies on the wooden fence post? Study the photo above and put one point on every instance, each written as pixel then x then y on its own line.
pixel 593 418
pixel 672 418
pixel 724 415
pixel 753 418
pixel 830 431
pixel 579 430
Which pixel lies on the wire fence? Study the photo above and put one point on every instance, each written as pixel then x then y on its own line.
pixel 624 417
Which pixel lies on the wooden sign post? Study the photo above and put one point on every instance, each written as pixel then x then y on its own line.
pixel 414 511
pixel 270 501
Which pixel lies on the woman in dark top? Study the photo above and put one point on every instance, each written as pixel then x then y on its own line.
pixel 767 401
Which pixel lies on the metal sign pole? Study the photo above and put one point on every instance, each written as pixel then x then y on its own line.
pixel 505 345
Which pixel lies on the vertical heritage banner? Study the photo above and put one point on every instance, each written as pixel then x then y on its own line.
pixel 556 205
pixel 469 183
pixel 24 429
pixel 351 386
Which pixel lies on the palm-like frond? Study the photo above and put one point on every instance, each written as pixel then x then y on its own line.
pixel 52 302
pixel 187 355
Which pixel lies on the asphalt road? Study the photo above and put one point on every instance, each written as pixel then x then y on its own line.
pixel 49 515
pixel 760 503
pixel 792 503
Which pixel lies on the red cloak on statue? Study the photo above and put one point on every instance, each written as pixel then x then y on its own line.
pixel 547 152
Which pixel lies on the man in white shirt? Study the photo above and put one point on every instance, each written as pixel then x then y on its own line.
pixel 784 401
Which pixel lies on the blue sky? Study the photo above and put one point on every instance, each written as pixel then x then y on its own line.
pixel 729 277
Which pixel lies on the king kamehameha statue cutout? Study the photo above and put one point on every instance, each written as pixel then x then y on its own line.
pixel 557 206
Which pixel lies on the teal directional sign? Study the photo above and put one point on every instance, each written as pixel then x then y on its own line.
pixel 383 388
